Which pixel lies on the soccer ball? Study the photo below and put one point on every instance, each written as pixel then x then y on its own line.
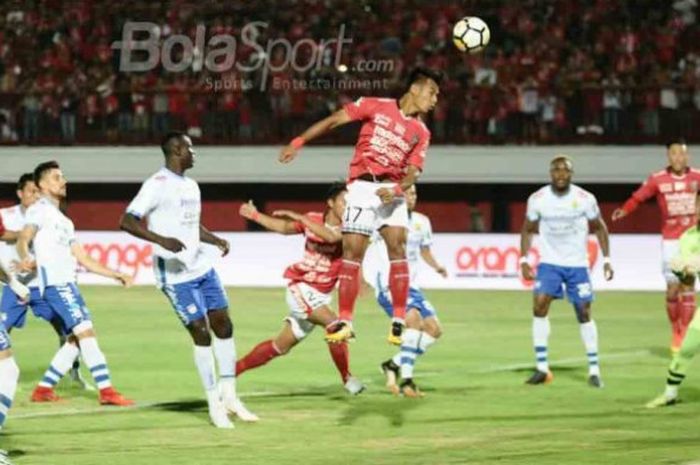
pixel 471 34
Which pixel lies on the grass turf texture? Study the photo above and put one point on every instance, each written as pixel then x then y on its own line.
pixel 477 409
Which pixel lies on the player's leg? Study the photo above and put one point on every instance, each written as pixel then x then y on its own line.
pixel 42 310
pixel 395 239
pixel 580 294
pixel 674 306
pixel 686 309
pixel 9 375
pixel 548 286
pixel 269 349
pixel 67 302
pixel 679 365
pixel 61 362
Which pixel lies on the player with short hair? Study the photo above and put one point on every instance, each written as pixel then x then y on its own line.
pixel 675 188
pixel 563 213
pixel 311 282
pixel 56 256
pixel 13 309
pixel 423 328
pixel 171 204
pixel 389 157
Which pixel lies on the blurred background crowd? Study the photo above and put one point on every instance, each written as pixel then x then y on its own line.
pixel 565 71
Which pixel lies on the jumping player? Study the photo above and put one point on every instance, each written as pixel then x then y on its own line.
pixel 171 204
pixel 423 328
pixel 311 282
pixel 675 189
pixel 389 157
pixel 56 256
pixel 562 213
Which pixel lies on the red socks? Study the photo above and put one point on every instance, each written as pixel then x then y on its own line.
pixel 260 355
pixel 398 287
pixel 686 310
pixel 672 310
pixel 349 287
pixel 341 358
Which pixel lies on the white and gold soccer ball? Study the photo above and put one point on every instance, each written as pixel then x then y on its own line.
pixel 471 34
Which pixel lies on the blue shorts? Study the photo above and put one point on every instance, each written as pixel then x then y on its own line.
pixel 415 300
pixel 15 312
pixel 4 338
pixel 66 302
pixel 192 300
pixel 552 279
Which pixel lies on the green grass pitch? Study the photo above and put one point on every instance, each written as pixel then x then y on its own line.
pixel 477 409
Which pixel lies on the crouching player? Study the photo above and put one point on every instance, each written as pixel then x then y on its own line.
pixel 422 325
pixel 311 282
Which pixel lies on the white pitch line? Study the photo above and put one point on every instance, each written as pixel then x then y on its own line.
pixel 147 405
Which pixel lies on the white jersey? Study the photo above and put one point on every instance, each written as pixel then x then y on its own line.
pixel 14 219
pixel 376 262
pixel 55 235
pixel 172 207
pixel 563 224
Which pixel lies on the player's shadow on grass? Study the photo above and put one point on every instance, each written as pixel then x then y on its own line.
pixel 182 406
pixel 573 372
pixel 393 409
pixel 661 352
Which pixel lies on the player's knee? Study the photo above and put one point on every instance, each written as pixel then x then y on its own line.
pixel 583 313
pixel 200 333
pixel 223 328
pixel 396 251
pixel 435 331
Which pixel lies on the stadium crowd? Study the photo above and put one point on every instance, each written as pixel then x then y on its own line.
pixel 568 71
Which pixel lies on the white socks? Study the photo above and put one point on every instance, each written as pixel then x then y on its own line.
pixel 61 363
pixel 540 338
pixel 589 335
pixel 409 351
pixel 204 360
pixel 9 375
pixel 96 362
pixel 225 352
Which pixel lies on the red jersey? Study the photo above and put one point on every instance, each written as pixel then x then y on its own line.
pixel 389 141
pixel 2 226
pixel 321 264
pixel 675 195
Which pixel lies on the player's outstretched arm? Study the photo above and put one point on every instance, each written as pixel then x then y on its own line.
pixel 93 266
pixel 427 255
pixel 528 230
pixel 600 229
pixel 339 118
pixel 322 231
pixel 279 225
pixel 9 236
pixel 129 223
pixel 641 195
pixel 24 238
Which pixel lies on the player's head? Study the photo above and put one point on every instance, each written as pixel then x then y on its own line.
pixel 424 87
pixel 411 197
pixel 561 169
pixel 177 148
pixel 335 198
pixel 677 153
pixel 49 179
pixel 27 192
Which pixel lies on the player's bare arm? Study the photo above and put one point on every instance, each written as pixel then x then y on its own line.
pixel 129 223
pixel 428 257
pixel 96 267
pixel 322 231
pixel 208 237
pixel 528 230
pixel 9 236
pixel 388 195
pixel 600 229
pixel 279 225
pixel 25 237
pixel 339 118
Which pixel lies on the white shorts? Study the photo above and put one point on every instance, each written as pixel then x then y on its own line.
pixel 669 249
pixel 365 212
pixel 303 299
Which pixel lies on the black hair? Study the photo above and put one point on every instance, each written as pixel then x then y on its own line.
pixel 422 73
pixel 42 168
pixel 335 190
pixel 24 179
pixel 679 141
pixel 168 142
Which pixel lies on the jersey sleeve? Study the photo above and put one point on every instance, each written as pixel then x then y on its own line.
pixel 532 213
pixel 35 216
pixel 361 109
pixel 426 239
pixel 646 191
pixel 145 201
pixel 417 155
pixel 592 210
